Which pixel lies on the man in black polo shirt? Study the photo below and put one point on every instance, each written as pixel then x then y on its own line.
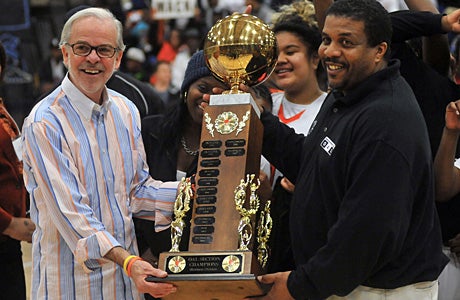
pixel 363 220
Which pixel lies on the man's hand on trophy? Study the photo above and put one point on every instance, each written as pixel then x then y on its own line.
pixel 262 103
pixel 207 97
pixel 279 288
pixel 140 270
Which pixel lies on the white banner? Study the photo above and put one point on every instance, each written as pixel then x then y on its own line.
pixel 173 9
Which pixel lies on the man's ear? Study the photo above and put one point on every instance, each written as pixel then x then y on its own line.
pixel 118 59
pixel 65 56
pixel 382 49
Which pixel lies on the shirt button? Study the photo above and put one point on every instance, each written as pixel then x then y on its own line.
pixel 335 110
pixel 325 129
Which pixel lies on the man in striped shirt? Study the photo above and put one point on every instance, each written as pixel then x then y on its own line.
pixel 86 173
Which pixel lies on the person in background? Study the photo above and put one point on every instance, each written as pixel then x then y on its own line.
pixel 214 10
pixel 52 70
pixel 171 143
pixel 141 93
pixel 447 175
pixel 14 226
pixel 134 64
pixel 261 10
pixel 85 171
pixel 137 26
pixel 455 60
pixel 192 41
pixel 425 66
pixel 170 46
pixel 297 74
pixel 161 82
pixel 355 235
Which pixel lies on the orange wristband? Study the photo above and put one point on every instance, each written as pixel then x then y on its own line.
pixel 126 261
pixel 130 264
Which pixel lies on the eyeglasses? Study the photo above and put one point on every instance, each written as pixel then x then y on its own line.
pixel 103 51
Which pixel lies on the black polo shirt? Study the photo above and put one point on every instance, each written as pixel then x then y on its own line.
pixel 363 209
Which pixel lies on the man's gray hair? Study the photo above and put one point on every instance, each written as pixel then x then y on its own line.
pixel 99 13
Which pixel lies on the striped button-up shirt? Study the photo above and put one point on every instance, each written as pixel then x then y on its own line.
pixel 86 173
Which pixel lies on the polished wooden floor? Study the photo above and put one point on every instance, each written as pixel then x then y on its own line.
pixel 26 257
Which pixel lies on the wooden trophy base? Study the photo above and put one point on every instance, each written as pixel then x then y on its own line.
pixel 212 268
pixel 217 275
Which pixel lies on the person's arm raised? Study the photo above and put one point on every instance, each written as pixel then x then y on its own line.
pixel 447 176
pixel 435 48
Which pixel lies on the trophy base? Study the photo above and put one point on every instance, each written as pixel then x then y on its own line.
pixel 218 275
pixel 213 287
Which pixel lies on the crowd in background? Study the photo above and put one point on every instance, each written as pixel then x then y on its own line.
pixel 158 51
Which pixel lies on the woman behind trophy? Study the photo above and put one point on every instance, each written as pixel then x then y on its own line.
pixel 299 75
pixel 171 143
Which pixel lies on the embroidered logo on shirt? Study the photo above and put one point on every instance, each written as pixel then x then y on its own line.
pixel 328 145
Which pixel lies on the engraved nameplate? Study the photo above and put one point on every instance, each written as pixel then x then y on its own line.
pixel 207 163
pixel 208 181
pixel 235 143
pixel 211 144
pixel 206 199
pixel 203 229
pixel 207 191
pixel 209 173
pixel 235 152
pixel 210 153
pixel 202 239
pixel 205 210
pixel 204 220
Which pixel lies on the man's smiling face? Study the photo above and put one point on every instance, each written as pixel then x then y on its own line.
pixel 90 73
pixel 346 54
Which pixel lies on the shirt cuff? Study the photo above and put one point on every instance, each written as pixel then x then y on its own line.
pixel 91 250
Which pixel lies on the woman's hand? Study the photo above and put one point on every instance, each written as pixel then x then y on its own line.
pixel 20 229
pixel 453 116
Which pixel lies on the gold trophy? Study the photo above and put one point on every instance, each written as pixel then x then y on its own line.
pixel 181 207
pixel 227 250
pixel 241 48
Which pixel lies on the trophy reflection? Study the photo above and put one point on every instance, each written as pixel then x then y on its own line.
pixel 230 225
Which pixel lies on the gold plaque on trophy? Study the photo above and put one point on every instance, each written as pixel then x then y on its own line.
pixel 230 225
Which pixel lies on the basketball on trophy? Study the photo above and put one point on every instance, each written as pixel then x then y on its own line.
pixel 240 48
